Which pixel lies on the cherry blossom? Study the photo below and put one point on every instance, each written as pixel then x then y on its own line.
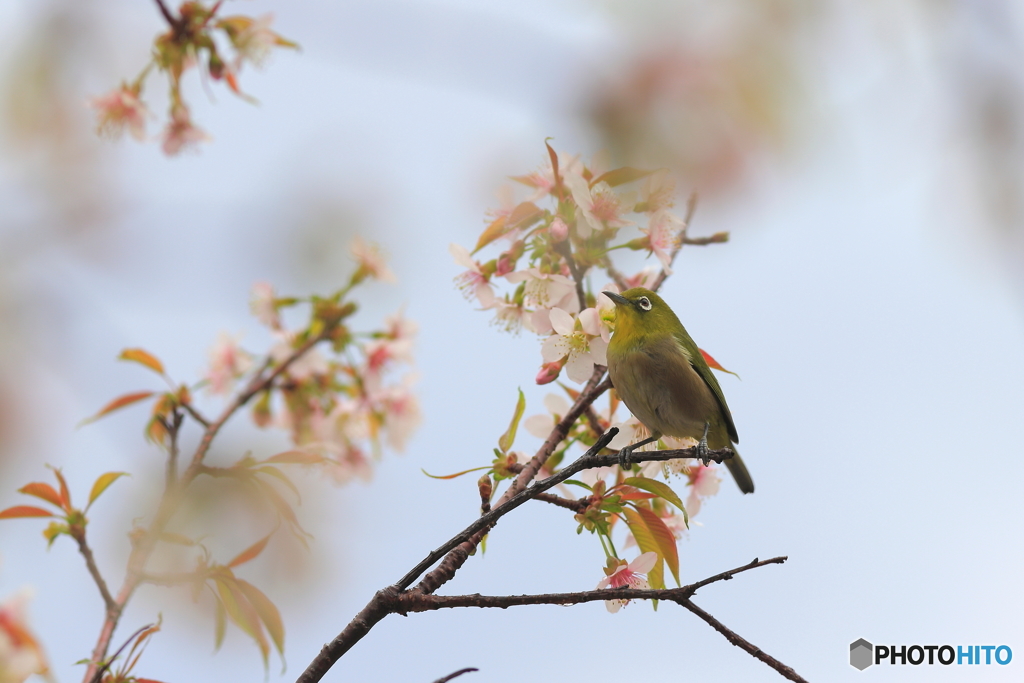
pixel 262 305
pixel 543 179
pixel 254 41
pixel 549 372
pixel 628 576
pixel 546 290
pixel 704 483
pixel 599 205
pixel 541 425
pixel 120 109
pixel 228 362
pixel 664 231
pixel 310 363
pixel 181 134
pixel 401 410
pixel 371 262
pixel 582 348
pixel 473 282
pixel 658 191
pixel 645 278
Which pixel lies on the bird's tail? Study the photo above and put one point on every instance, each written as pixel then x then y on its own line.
pixel 739 472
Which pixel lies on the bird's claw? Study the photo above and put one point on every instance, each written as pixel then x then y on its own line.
pixel 703 452
pixel 625 461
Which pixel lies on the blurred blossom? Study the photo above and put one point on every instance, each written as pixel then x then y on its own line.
pixel 120 109
pixel 663 235
pixel 541 425
pixel 704 483
pixel 20 654
pixel 601 207
pixel 261 303
pixel 473 282
pixel 309 364
pixel 181 134
pixel 371 262
pixel 228 362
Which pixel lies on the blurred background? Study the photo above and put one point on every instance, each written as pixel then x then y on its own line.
pixel 867 159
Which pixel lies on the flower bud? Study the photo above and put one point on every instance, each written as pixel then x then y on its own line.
pixel 559 230
pixel 549 372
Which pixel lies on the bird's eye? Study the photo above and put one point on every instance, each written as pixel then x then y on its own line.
pixel 644 303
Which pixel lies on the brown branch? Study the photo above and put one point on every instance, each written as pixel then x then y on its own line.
pixel 174 23
pixel 593 420
pixel 456 674
pixel 196 415
pixel 456 551
pixel 574 505
pixel 746 646
pixel 171 499
pixel 78 533
pixel 717 238
pixel 412 601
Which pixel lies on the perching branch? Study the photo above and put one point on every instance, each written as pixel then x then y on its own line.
pixel 172 497
pixel 456 674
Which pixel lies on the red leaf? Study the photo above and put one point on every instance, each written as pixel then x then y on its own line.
pixel 24 511
pixel 712 363
pixel 492 232
pixel 64 493
pixel 119 402
pixel 43 491
pixel 553 155
pixel 144 358
pixel 251 552
pixel 664 538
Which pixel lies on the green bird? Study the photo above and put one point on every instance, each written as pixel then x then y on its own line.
pixel 661 376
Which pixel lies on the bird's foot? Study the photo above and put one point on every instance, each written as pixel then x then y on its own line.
pixel 703 452
pixel 625 458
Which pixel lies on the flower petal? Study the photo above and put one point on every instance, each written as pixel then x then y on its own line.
pixel 562 322
pixel 644 563
pixel 552 349
pixel 580 367
pixel 461 256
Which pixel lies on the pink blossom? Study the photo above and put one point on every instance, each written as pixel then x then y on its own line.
pixel 599 205
pixel 119 109
pixel 541 425
pixel 546 290
pixel 663 234
pixel 228 362
pixel 401 410
pixel 261 303
pixel 255 41
pixel 473 282
pixel 628 576
pixel 181 134
pixel 308 364
pixel 511 317
pixel 645 278
pixel 704 483
pixel 371 262
pixel 398 327
pixel 658 191
pixel 549 372
pixel 543 179
pixel 582 348
pixel 559 230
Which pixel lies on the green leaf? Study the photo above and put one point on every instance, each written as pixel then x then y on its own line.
pixel 576 482
pixel 509 437
pixel 220 624
pixel 241 612
pixel 660 489
pixel 55 529
pixel 101 484
pixel 144 358
pixel 267 612
pixel 621 176
pixel 665 540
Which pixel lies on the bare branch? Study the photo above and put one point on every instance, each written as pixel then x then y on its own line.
pixel 456 674
pixel 78 533
pixel 174 23
pixel 574 505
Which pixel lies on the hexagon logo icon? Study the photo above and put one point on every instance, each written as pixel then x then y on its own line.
pixel 861 654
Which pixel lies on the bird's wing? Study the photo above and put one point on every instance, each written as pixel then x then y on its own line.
pixel 698 363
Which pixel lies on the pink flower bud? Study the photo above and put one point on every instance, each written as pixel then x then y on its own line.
pixel 559 230
pixel 506 264
pixel 549 372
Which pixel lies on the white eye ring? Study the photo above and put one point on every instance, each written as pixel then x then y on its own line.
pixel 644 303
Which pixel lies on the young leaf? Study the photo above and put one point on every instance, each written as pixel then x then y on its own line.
pixel 43 491
pixel 665 540
pixel 251 552
pixel 65 494
pixel 242 613
pixel 492 232
pixel 658 488
pixel 274 472
pixel 267 612
pixel 54 530
pixel 621 176
pixel 143 357
pixel 647 543
pixel 457 474
pixel 24 511
pixel 553 155
pixel 509 437
pixel 220 623
pixel 101 484
pixel 295 458
pixel 119 402
pixel 523 216
pixel 712 363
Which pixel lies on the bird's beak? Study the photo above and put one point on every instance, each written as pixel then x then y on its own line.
pixel 617 298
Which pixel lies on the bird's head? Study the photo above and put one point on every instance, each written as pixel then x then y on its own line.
pixel 641 312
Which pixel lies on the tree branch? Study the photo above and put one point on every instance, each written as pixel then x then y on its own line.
pixel 78 533
pixel 171 499
pixel 457 549
pixel 691 208
pixel 456 674
pixel 574 505
pixel 167 14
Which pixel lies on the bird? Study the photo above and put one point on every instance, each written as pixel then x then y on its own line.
pixel 662 377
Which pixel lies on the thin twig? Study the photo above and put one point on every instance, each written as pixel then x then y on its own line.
pixel 456 550
pixel 456 674
pixel 78 533
pixel 174 23
pixel 574 505
pixel 172 497
pixel 196 415
pixel 691 208
pixel 743 644
pixel 412 601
